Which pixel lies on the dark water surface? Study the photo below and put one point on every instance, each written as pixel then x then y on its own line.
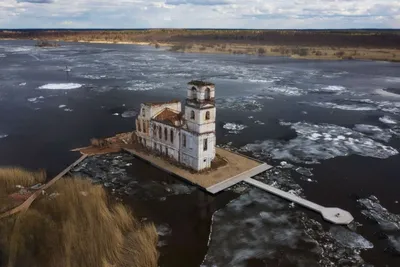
pixel 325 115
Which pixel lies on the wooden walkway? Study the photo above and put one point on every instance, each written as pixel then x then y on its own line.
pixel 27 203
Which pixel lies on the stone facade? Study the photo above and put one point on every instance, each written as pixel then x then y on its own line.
pixel 186 136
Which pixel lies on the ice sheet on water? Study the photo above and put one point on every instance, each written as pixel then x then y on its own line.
pixel 332 89
pixel 243 103
pixel 354 107
pixel 142 85
pixel 375 211
pixel 234 128
pixel 62 106
pixel 61 86
pixel 94 76
pixel 349 238
pixel 374 132
pixel 315 142
pixel 2 55
pixel 68 110
pixel 3 135
pixel 285 90
pixel 388 120
pixel 261 226
pixel 22 84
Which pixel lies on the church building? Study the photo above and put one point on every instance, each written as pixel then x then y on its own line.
pixel 188 135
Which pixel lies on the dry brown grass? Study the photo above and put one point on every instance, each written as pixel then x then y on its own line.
pixel 75 224
pixel 10 177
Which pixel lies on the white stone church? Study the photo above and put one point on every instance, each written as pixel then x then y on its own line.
pixel 187 136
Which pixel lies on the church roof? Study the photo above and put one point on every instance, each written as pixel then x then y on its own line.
pixel 161 103
pixel 169 116
pixel 200 83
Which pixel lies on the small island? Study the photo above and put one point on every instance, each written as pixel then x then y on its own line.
pixel 45 43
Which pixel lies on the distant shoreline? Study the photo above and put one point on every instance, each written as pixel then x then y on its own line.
pixel 300 44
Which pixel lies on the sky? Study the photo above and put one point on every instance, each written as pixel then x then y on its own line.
pixel 252 14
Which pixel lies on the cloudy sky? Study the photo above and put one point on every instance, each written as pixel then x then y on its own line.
pixel 266 14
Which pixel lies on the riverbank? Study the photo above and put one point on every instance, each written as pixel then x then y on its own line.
pixel 313 53
pixel 377 45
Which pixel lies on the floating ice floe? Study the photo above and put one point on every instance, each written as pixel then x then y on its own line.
pixel 243 103
pixel 116 114
pixel 375 211
pixel 352 107
pixel 388 222
pixel 388 120
pixel 60 86
pixel 68 110
pixel 129 114
pixel 22 84
pixel 315 142
pixel 260 226
pixel 394 242
pixel 94 77
pixel 3 136
pixel 2 55
pixel 140 85
pixel 349 238
pixel 285 90
pixel 35 99
pixel 374 132
pixel 62 106
pixel 330 89
pixel 259 122
pixel 234 127
pixel 163 231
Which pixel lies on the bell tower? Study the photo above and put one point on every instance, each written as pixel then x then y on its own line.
pixel 200 116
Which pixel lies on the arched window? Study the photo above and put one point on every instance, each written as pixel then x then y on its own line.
pixel 171 136
pixel 165 134
pixel 208 94
pixel 143 112
pixel 207 115
pixel 184 140
pixel 144 126
pixel 194 92
pixel 139 125
pixel 159 132
pixel 192 115
pixel 205 144
pixel 154 130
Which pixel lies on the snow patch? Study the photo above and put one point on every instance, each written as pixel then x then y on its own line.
pixel 234 127
pixel 315 142
pixel 60 86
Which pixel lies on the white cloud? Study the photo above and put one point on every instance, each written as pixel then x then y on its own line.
pixel 200 13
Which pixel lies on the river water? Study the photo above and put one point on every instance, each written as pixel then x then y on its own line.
pixel 329 126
